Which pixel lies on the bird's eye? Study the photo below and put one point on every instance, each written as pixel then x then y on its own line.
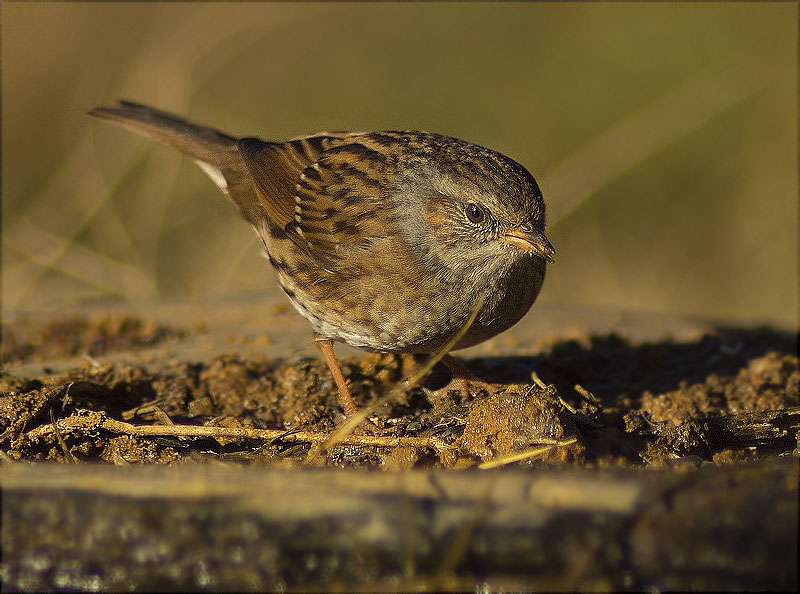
pixel 475 213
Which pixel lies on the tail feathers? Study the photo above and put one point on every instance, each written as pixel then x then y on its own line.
pixel 198 141
pixel 216 153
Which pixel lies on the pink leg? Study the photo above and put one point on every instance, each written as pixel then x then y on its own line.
pixel 345 398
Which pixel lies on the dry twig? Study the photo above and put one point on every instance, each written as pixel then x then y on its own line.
pixel 92 421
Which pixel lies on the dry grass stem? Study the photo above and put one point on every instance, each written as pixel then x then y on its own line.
pixel 533 452
pixel 537 380
pixel 60 439
pixel 342 433
pixel 92 421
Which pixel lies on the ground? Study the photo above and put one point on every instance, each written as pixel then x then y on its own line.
pixel 592 391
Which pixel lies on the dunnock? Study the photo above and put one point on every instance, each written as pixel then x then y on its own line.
pixel 382 240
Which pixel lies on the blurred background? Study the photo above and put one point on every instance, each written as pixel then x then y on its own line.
pixel 664 137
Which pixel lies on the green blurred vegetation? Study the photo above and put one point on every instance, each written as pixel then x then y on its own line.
pixel 663 136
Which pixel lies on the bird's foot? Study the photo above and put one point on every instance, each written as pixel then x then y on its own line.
pixel 463 381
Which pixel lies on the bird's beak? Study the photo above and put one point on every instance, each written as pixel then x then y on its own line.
pixel 530 241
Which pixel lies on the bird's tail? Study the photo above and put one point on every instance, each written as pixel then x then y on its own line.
pixel 195 140
pixel 216 153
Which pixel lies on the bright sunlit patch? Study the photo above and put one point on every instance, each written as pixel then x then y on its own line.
pixel 214 173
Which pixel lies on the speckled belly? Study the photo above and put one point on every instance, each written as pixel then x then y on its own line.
pixel 424 319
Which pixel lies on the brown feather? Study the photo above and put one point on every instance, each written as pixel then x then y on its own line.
pixel 324 191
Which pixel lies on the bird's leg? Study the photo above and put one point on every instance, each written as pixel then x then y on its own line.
pixel 462 377
pixel 459 371
pixel 463 380
pixel 326 348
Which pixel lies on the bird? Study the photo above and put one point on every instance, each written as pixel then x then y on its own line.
pixel 386 241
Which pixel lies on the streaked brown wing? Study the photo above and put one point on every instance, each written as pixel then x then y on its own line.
pixel 323 190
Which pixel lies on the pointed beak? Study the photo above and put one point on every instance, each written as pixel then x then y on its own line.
pixel 530 241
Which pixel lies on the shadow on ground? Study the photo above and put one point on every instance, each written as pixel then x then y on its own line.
pixel 619 465
pixel 731 395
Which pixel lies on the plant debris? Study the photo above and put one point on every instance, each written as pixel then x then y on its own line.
pixel 729 396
